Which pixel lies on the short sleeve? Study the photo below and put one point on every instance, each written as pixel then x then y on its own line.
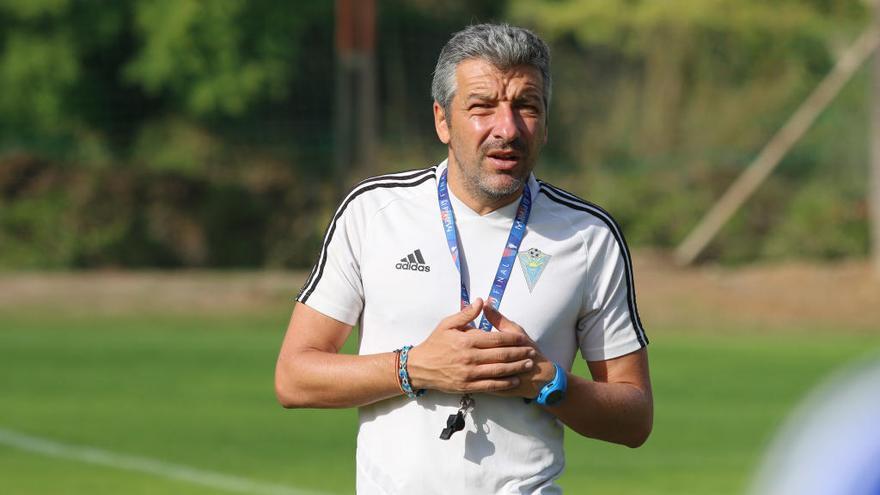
pixel 610 326
pixel 334 286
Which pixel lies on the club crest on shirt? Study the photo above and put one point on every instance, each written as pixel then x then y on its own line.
pixel 533 262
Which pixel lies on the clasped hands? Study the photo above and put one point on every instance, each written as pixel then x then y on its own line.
pixel 458 358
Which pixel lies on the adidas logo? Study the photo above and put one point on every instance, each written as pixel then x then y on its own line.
pixel 414 262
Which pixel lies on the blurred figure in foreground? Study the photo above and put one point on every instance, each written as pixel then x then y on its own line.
pixel 831 444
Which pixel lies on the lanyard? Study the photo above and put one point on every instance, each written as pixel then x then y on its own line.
pixel 508 256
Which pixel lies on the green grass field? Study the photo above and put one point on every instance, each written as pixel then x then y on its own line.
pixel 197 391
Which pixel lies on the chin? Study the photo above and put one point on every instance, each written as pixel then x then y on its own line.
pixel 501 186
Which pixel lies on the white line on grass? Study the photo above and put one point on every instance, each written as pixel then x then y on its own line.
pixel 145 465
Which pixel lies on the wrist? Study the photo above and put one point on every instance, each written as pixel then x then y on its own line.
pixel 416 375
pixel 404 378
pixel 395 367
pixel 546 371
pixel 553 392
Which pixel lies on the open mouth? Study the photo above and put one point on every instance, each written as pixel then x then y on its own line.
pixel 504 159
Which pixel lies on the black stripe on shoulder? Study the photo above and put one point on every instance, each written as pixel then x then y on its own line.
pixel 562 193
pixel 355 191
pixel 384 182
pixel 567 199
pixel 403 175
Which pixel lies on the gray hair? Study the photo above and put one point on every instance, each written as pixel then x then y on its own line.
pixel 502 45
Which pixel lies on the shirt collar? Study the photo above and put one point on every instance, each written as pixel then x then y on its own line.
pixel 507 211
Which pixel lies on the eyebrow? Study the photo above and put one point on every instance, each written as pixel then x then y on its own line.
pixel 531 92
pixel 531 95
pixel 479 96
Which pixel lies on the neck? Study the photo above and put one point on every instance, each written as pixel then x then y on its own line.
pixel 474 198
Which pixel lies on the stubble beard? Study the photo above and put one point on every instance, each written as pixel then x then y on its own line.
pixel 480 185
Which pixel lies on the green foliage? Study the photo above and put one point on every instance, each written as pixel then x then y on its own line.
pixel 56 217
pixel 820 222
pixel 657 107
pixel 219 56
pixel 664 103
pixel 172 145
pixel 632 24
pixel 69 68
pixel 46 50
pixel 30 233
pixel 35 70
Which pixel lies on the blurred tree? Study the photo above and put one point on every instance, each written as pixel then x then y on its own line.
pixel 198 97
pixel 695 87
pixel 219 56
pixel 181 133
pixel 695 55
pixel 43 52
pixel 69 68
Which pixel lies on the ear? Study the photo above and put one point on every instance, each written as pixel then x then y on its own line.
pixel 440 123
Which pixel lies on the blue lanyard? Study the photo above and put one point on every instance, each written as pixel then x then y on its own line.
pixel 508 257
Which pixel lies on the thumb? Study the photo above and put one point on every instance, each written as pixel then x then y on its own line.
pixel 467 314
pixel 500 321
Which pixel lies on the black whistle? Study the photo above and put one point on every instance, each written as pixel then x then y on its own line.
pixel 454 423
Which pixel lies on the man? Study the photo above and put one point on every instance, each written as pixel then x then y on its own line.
pixel 402 256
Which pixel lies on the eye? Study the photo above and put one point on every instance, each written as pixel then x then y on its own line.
pixel 530 108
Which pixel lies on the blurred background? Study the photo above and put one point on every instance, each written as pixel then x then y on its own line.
pixel 220 134
pixel 168 168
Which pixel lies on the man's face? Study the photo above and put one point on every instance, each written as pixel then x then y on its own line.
pixel 495 127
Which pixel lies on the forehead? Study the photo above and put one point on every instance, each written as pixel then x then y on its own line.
pixel 481 76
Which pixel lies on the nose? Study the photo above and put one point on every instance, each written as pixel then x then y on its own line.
pixel 506 123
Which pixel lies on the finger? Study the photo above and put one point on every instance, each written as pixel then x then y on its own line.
pixel 495 385
pixel 487 340
pixel 503 355
pixel 465 316
pixel 500 321
pixel 501 370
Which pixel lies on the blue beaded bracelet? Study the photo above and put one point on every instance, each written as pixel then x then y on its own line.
pixel 403 375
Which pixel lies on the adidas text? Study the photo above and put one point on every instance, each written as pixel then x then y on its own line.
pixel 413 266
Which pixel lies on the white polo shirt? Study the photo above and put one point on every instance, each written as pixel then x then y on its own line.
pixel 385 265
